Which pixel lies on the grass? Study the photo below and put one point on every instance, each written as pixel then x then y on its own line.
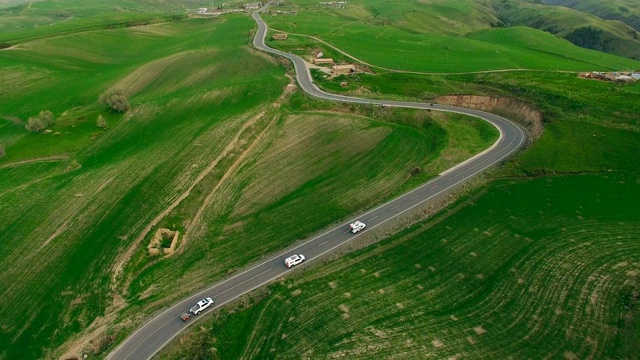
pixel 532 266
pixel 393 44
pixel 75 199
pixel 43 19
pixel 616 37
pixel 279 183
pixel 547 283
pixel 580 133
pixel 80 210
pixel 82 197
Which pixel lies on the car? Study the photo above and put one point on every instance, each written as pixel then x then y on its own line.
pixel 201 305
pixel 357 226
pixel 294 260
pixel 185 316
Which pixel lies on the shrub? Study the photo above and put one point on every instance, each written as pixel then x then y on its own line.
pixel 101 122
pixel 40 122
pixel 116 100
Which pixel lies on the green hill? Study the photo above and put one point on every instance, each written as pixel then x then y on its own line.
pixel 579 27
pixel 391 37
pixel 626 11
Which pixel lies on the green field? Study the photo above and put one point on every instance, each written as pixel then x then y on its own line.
pixel 213 146
pixel 626 11
pixel 559 277
pixel 81 201
pixel 391 35
pixel 540 263
pixel 613 37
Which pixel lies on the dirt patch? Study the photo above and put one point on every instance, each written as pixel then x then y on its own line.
pixel 296 292
pixel 165 241
pixel 345 311
pixel 332 285
pixel 479 330
pixel 400 306
pixel 570 355
pixel 379 333
pixel 437 343
pixel 347 294
pixel 523 113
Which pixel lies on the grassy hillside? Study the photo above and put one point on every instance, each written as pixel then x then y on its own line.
pixel 542 262
pixel 202 127
pixel 626 11
pixel 606 35
pixel 21 20
pixel 559 279
pixel 83 193
pixel 397 43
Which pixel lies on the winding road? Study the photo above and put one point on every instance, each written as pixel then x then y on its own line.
pixel 166 325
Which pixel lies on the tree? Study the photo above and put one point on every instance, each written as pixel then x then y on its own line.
pixel 116 99
pixel 40 122
pixel 101 122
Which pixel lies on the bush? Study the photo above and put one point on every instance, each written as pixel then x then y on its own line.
pixel 40 122
pixel 116 99
pixel 101 122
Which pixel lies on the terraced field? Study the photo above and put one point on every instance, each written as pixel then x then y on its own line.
pixel 558 277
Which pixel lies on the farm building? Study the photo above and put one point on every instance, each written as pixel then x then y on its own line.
pixel 279 36
pixel 323 61
pixel 342 70
pixel 253 6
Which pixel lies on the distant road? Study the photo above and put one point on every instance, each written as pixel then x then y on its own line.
pixel 163 327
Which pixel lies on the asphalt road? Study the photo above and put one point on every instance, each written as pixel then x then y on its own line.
pixel 164 326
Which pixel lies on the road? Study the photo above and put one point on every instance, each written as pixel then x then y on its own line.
pixel 163 327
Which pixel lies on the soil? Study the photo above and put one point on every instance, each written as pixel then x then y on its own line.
pixel 523 113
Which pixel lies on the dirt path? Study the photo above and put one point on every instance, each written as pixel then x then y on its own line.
pixel 36 160
pixel 418 72
pixel 231 171
pixel 120 262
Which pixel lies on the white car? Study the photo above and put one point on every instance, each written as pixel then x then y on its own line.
pixel 201 305
pixel 357 226
pixel 294 260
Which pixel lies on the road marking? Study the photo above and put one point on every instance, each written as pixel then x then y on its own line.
pixel 323 243
pixel 395 207
pixel 415 197
pixel 231 288
pixel 373 218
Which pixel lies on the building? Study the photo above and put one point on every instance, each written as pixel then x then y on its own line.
pixel 253 6
pixel 322 61
pixel 337 70
pixel 279 36
pixel 202 10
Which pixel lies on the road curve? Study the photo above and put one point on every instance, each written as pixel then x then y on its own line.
pixel 164 326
